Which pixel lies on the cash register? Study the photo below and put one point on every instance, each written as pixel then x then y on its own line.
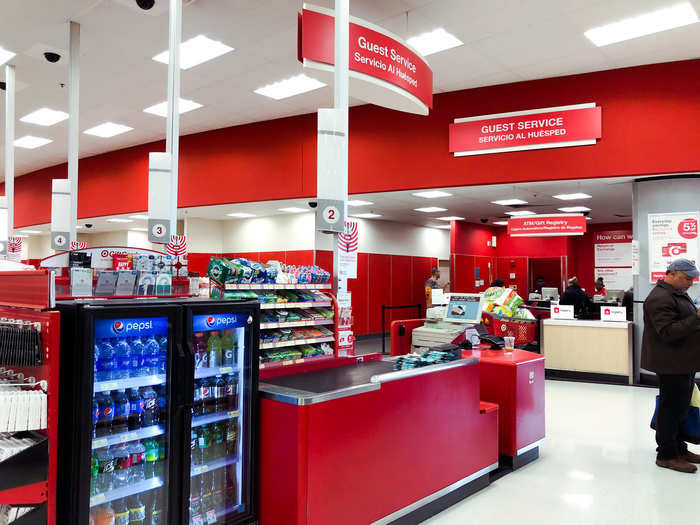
pixel 447 323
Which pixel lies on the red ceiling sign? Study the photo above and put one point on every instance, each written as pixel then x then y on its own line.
pixel 558 127
pixel 547 225
pixel 383 69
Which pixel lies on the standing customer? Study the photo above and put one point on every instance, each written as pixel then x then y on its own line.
pixel 576 297
pixel 671 348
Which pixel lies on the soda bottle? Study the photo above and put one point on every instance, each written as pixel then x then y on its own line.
pixel 137 452
pixel 137 511
pixel 104 423
pixel 151 356
pixel 201 352
pixel 195 458
pixel 122 466
pixel 137 357
pixel 207 498
pixel 196 517
pixel 219 392
pixel 228 348
pixel 122 352
pixel 163 354
pixel 231 387
pixel 155 510
pixel 121 512
pixel 231 437
pixel 217 443
pixel 150 407
pixel 121 412
pixel 135 420
pixel 105 362
pixel 105 469
pixel 161 456
pixel 206 397
pixel 214 347
pixel 197 406
pixel 151 458
pixel 203 443
pixel 231 491
pixel 162 393
pixel 94 470
pixel 95 416
pixel 105 515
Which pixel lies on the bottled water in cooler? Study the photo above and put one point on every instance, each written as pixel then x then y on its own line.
pixel 105 363
pixel 122 352
pixel 138 351
pixel 163 355
pixel 151 356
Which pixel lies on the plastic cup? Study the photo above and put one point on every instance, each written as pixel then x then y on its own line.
pixel 509 343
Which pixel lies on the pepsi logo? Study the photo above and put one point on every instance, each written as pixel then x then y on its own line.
pixel 118 327
pixel 211 321
pixel 107 412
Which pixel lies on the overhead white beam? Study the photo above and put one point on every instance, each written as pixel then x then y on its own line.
pixel 10 147
pixel 73 123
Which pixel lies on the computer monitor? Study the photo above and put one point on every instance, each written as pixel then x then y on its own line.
pixel 464 308
pixel 615 295
pixel 550 293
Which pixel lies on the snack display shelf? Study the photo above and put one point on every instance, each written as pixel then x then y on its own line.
pixel 206 419
pixel 275 286
pixel 297 342
pixel 125 492
pixel 129 382
pixel 296 324
pixel 201 373
pixel 279 364
pixel 308 304
pixel 213 465
pixel 131 435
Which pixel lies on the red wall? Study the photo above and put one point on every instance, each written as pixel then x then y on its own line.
pixel 392 151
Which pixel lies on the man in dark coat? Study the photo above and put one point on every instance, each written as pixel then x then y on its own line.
pixel 575 296
pixel 671 348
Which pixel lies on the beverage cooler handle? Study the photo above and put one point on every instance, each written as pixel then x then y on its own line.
pixel 190 348
pixel 180 351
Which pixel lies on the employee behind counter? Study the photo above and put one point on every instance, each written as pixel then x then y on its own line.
pixel 584 307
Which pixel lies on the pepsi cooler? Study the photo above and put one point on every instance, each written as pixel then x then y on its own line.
pixel 157 411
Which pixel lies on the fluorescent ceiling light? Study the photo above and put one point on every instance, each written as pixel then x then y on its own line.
pixel 501 223
pixel 574 209
pixel 5 55
pixel 521 212
pixel 78 226
pixel 432 194
pixel 367 215
pixel 293 210
pixel 509 202
pixel 195 51
pixel 572 196
pixel 22 236
pixel 431 209
pixel 289 87
pixel 140 217
pixel 119 220
pixel 677 15
pixel 359 203
pixel 440 226
pixel 30 232
pixel 138 229
pixel 241 215
pixel 45 117
pixel 434 41
pixel 30 142
pixel 162 109
pixel 107 130
pixel 450 218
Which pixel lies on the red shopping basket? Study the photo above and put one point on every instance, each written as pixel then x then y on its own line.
pixel 524 330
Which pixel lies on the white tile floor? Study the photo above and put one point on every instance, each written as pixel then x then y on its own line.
pixel 596 468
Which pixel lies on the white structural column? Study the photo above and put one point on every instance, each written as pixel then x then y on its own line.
pixel 10 147
pixel 73 124
pixel 172 135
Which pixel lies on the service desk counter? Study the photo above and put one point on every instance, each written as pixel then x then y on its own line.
pixel 363 444
pixel 595 350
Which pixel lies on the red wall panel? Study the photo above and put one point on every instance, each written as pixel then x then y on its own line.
pixel 301 257
pixel 401 293
pixel 471 239
pixel 324 259
pixel 505 266
pixel 463 278
pixel 531 246
pixel 198 262
pixel 379 289
pixel 486 268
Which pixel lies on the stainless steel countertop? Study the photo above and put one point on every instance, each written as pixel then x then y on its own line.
pixel 334 383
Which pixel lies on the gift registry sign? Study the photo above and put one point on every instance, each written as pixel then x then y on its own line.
pixel 671 236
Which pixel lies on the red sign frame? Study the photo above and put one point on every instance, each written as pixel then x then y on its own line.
pixel 547 225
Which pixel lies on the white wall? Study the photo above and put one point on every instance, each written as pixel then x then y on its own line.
pixel 204 235
pixel 113 238
pixel 277 233
pixel 36 247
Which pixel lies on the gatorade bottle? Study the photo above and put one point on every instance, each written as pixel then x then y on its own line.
pixel 95 416
pixel 105 362
pixel 122 465
pixel 105 515
pixel 219 441
pixel 94 470
pixel 219 394
pixel 137 511
pixel 121 412
pixel 151 458
pixel 150 407
pixel 228 345
pixel 214 347
pixel 137 452
pixel 203 443
pixel 135 420
pixel 201 352
pixel 155 511
pixel 163 354
pixel 122 352
pixel 105 469
pixel 106 417
pixel 161 457
pixel 151 356
pixel 121 512
pixel 137 357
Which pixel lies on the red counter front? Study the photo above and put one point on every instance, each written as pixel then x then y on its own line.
pixel 368 456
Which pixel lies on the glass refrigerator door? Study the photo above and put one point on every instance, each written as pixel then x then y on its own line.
pixel 130 428
pixel 218 448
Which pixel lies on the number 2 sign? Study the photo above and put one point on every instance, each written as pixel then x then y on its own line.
pixel 330 215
